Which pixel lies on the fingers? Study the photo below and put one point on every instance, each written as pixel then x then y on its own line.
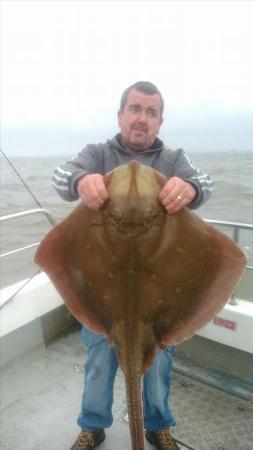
pixel 176 194
pixel 91 189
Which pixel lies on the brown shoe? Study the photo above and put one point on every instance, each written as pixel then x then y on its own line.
pixel 87 440
pixel 161 439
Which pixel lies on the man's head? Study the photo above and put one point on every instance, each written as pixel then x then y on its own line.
pixel 140 115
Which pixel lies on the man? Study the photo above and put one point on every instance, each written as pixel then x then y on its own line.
pixel 139 118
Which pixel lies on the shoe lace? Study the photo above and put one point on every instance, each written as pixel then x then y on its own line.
pixel 166 439
pixel 84 438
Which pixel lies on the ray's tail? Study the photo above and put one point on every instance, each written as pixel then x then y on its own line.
pixel 135 350
pixel 133 382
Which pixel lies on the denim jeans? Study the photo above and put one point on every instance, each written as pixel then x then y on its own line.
pixel 100 370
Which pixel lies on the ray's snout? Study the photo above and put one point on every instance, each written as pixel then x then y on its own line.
pixel 134 201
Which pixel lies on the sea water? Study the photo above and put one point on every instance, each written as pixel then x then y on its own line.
pixel 231 200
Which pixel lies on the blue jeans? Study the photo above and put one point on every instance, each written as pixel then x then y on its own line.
pixel 100 370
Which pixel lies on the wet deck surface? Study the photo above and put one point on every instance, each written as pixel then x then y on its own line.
pixel 41 393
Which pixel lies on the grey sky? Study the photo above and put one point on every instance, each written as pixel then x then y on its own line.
pixel 66 63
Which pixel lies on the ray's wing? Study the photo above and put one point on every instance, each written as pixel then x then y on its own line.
pixel 195 270
pixel 72 256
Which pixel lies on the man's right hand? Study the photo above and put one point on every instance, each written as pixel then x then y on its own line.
pixel 91 189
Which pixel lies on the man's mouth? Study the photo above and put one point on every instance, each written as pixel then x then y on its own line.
pixel 140 130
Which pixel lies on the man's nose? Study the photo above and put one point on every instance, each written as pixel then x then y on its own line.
pixel 142 116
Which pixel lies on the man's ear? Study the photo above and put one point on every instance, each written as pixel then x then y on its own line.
pixel 119 118
pixel 160 123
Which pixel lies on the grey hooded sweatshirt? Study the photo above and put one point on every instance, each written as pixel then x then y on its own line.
pixel 102 158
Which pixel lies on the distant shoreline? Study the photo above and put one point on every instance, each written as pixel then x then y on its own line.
pixel 234 152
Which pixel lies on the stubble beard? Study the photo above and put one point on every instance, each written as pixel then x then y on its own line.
pixel 135 145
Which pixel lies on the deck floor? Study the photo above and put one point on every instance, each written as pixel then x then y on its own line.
pixel 40 399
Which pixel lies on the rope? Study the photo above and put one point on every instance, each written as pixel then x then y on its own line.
pixel 21 179
pixel 40 206
pixel 183 444
pixel 19 289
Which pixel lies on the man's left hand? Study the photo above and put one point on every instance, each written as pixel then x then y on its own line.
pixel 176 194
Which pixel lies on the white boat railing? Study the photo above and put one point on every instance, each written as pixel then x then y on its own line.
pixel 18 215
pixel 236 228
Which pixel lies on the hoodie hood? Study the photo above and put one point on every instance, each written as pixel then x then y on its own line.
pixel 116 142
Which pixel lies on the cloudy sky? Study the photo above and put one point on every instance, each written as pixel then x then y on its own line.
pixel 66 63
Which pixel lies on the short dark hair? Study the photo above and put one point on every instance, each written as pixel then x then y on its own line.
pixel 143 86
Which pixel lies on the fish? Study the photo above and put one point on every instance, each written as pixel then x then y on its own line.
pixel 145 278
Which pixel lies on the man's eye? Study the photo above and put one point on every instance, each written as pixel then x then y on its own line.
pixel 152 113
pixel 134 108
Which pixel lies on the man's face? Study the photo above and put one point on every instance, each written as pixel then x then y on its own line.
pixel 140 120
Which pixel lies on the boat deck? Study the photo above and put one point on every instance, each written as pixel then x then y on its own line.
pixel 41 394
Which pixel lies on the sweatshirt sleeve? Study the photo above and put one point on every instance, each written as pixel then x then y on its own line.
pixel 184 168
pixel 66 175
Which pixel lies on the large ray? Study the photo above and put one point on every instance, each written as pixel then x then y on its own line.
pixel 143 277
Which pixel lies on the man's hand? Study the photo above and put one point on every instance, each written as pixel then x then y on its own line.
pixel 176 194
pixel 91 189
